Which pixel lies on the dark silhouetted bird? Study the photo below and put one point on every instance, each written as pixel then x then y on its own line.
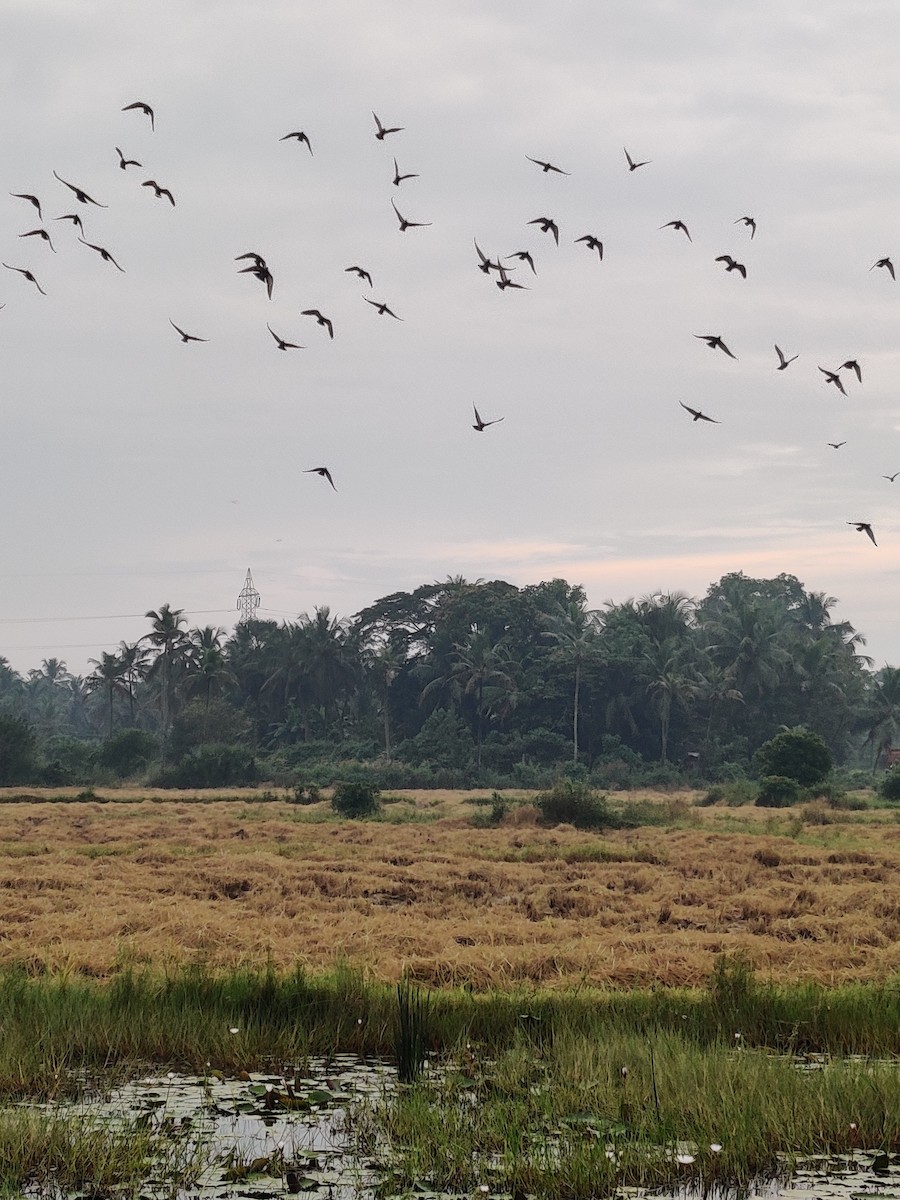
pixel 73 217
pixel 160 191
pixel 298 136
pixel 548 225
pixel 104 254
pixel 282 344
pixel 31 200
pixel 852 365
pixel 891 478
pixel 480 425
pixel 398 178
pixel 545 166
pixel 28 275
pixel 258 259
pixel 523 256
pixel 837 445
pixel 833 377
pixel 80 196
pixel 505 282
pixel 680 225
pixel 323 471
pixel 382 131
pixel 715 343
pixel 127 162
pixel 263 274
pixel 750 222
pixel 864 527
pixel 186 337
pixel 887 264
pixel 41 233
pixel 324 321
pixel 144 108
pixel 632 165
pixel 361 272
pixel 784 363
pixel 404 224
pixel 383 309
pixel 732 264
pixel 593 243
pixel 698 415
pixel 484 264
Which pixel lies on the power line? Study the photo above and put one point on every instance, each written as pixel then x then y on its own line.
pixel 104 617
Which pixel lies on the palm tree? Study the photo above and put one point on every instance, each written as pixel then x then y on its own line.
pixel 206 667
pixel 883 712
pixel 134 668
pixel 481 669
pixel 385 662
pixel 166 635
pixel 667 687
pixel 574 629
pixel 107 676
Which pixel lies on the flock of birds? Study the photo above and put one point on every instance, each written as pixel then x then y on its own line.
pixel 502 267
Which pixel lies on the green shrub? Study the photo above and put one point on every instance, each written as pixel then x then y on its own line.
pixel 308 794
pixel 210 766
pixel 778 791
pixel 355 800
pixel 798 754
pixel 889 785
pixel 733 795
pixel 128 752
pixel 18 751
pixel 571 803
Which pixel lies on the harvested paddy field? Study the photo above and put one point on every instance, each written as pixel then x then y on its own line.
pixel 167 880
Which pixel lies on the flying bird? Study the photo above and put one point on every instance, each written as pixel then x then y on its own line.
pixel 127 162
pixel 679 225
pixel 732 264
pixel 715 343
pixel 837 445
pixel 73 217
pixel 852 365
pixel 864 527
pixel 282 344
pixel 361 272
pixel 186 337
pixel 31 200
pixel 404 224
pixel 632 165
pixel 160 191
pixel 593 243
pixel 698 415
pixel 548 225
pixel 263 274
pixel 383 309
pixel 104 254
pixel 323 471
pixel 144 108
pixel 750 222
pixel 257 258
pixel 524 256
pixel 887 264
pixel 298 136
pixel 41 233
pixel 28 275
pixel 485 265
pixel 505 282
pixel 480 425
pixel 891 478
pixel 545 166
pixel 80 196
pixel 833 377
pixel 314 312
pixel 784 363
pixel 382 130
pixel 398 178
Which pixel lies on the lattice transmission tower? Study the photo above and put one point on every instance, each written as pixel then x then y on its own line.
pixel 248 600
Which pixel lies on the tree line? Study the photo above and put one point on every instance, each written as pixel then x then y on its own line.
pixel 479 678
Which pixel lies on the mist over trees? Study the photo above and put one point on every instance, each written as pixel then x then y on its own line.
pixel 460 682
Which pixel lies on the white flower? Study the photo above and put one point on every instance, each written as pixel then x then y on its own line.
pixel 716 1147
pixel 684 1159
pixel 233 1029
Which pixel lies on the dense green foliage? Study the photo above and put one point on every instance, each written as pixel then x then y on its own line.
pixel 457 683
pixel 799 754
pixel 355 800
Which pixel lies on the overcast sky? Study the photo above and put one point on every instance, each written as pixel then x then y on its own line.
pixel 136 470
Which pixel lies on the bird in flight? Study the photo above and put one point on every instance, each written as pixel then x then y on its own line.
pixel 258 260
pixel 505 282
pixel 41 233
pixel 104 254
pixel 715 343
pixel 398 178
pixel 480 425
pixel 698 415
pixel 383 130
pixel 80 196
pixel 28 275
pixel 750 222
pixel 298 136
pixel 160 191
pixel 31 200
pixel 545 166
pixel 314 312
pixel 383 309
pixel 282 344
pixel 404 224
pixel 186 337
pixel 732 264
pixel 73 217
pixel 680 225
pixel 361 272
pixel 784 363
pixel 144 108
pixel 127 162
pixel 485 265
pixel 263 274
pixel 852 365
pixel 833 377
pixel 864 527
pixel 593 243
pixel 887 264
pixel 632 165
pixel 891 478
pixel 524 256
pixel 836 445
pixel 323 471
pixel 548 225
